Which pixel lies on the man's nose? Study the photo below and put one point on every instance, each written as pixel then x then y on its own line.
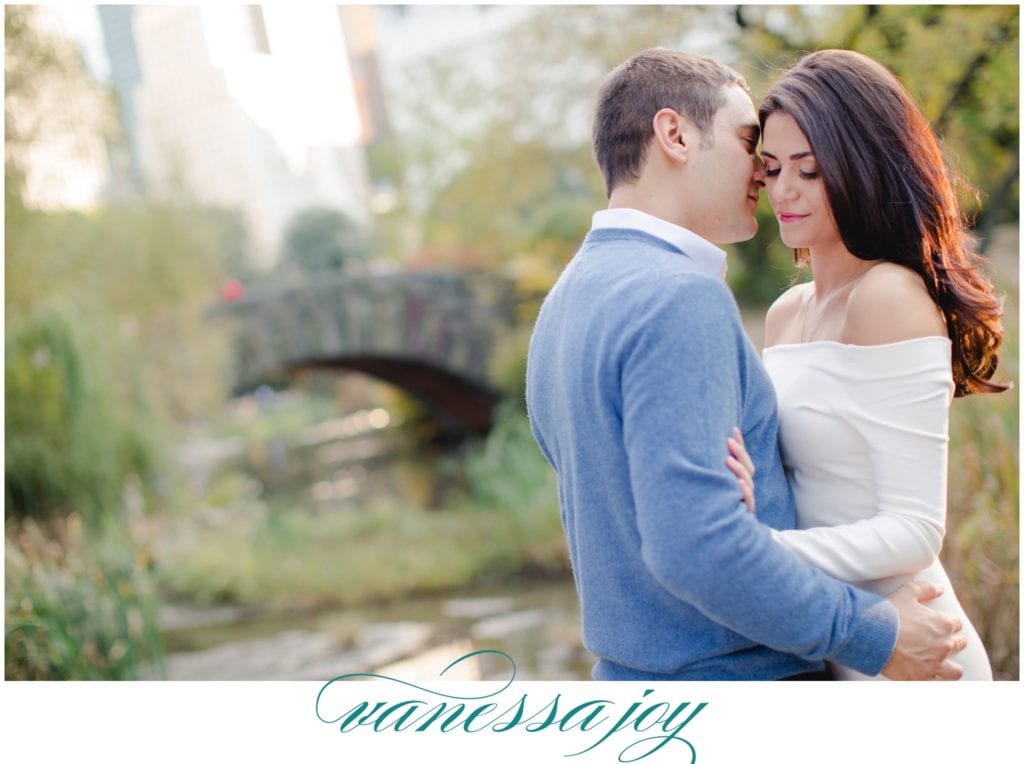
pixel 759 176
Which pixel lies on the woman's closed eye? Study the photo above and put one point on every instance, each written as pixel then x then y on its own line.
pixel 805 175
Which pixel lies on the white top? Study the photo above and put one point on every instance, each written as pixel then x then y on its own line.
pixel 708 258
pixel 863 432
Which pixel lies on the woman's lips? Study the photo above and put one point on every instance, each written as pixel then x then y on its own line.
pixel 789 217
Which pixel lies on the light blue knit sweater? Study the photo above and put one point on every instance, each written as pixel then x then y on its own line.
pixel 638 370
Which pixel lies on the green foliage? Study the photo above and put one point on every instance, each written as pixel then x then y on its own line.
pixel 513 176
pixel 505 525
pixel 294 559
pixel 762 268
pixel 139 279
pixel 107 351
pixel 78 606
pixel 320 239
pixel 508 472
pixel 69 447
pixel 543 209
pixel 981 551
pixel 507 366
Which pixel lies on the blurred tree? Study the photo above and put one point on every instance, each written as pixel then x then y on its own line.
pixel 106 347
pixel 322 239
pixel 140 279
pixel 50 103
pixel 71 441
pixel 500 162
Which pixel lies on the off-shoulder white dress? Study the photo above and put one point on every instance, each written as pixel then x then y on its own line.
pixel 864 435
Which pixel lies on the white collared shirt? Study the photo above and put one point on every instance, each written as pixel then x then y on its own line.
pixel 708 258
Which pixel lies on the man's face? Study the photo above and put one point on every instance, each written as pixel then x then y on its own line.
pixel 728 173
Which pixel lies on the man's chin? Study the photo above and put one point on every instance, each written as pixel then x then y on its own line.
pixel 741 234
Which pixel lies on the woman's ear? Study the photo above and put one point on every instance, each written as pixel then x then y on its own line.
pixel 673 134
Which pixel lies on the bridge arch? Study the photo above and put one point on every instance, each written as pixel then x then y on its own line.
pixel 429 333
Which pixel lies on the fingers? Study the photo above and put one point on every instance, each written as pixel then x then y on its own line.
pixel 928 640
pixel 746 481
pixel 925 591
pixel 928 591
pixel 949 671
pixel 742 466
pixel 959 643
pixel 739 450
pixel 738 469
pixel 748 494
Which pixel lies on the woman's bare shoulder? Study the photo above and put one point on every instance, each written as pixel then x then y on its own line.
pixel 783 311
pixel 891 303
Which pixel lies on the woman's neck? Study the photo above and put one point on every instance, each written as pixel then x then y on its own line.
pixel 834 268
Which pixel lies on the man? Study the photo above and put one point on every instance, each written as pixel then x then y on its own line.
pixel 638 370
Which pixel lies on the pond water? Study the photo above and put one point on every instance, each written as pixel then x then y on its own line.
pixel 537 625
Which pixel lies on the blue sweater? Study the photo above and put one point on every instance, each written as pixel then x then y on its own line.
pixel 637 371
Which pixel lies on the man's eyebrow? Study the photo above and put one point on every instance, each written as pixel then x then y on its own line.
pixel 754 128
pixel 793 157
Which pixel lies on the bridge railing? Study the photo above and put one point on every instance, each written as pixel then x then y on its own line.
pixel 448 321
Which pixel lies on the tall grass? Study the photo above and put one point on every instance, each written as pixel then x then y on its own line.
pixel 504 525
pixel 78 606
pixel 981 552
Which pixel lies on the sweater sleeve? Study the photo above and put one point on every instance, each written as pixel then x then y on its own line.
pixel 683 387
pixel 899 409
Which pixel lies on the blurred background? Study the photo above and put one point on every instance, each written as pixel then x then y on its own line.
pixel 270 273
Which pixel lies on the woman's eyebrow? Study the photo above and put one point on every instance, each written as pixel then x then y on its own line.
pixel 793 157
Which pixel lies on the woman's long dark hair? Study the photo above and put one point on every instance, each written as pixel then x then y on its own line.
pixel 891 194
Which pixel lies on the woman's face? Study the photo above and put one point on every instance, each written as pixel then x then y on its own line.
pixel 795 187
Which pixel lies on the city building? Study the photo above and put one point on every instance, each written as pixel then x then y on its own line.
pixel 246 107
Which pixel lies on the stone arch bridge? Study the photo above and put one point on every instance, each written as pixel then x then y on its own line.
pixel 429 333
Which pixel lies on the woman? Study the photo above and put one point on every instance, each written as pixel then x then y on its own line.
pixel 898 319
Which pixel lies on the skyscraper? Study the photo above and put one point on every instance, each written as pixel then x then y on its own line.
pixel 125 75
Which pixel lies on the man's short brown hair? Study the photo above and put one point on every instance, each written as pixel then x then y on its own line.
pixel 638 89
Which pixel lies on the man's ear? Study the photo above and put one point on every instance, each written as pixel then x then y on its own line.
pixel 674 134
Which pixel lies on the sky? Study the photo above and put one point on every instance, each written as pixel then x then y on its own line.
pixel 83 23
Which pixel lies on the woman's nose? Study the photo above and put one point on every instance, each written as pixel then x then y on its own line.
pixel 781 189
